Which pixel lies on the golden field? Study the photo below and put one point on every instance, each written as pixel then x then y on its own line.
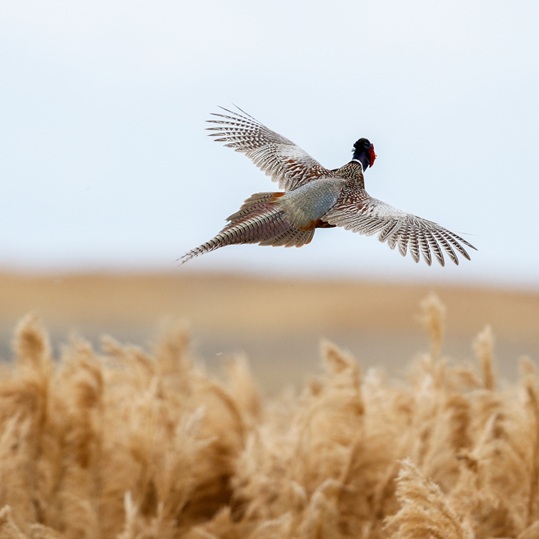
pixel 277 323
pixel 415 423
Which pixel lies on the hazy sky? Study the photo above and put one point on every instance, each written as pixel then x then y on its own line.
pixel 105 163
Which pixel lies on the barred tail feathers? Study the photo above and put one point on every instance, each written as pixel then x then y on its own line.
pixel 259 220
pixel 255 204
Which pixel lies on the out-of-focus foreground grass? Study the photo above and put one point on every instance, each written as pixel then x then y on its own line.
pixel 126 442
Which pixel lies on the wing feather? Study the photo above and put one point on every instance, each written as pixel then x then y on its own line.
pixel 425 249
pixel 414 247
pixel 281 159
pixel 446 245
pixel 410 233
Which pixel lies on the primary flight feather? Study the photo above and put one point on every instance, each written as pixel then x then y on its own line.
pixel 316 197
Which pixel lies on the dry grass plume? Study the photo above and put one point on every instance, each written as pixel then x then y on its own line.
pixel 128 444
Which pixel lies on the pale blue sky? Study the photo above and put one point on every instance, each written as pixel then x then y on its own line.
pixel 105 163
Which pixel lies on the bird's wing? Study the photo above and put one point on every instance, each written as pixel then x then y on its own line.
pixel 368 216
pixel 275 155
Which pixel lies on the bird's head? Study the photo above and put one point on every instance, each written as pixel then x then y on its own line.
pixel 364 152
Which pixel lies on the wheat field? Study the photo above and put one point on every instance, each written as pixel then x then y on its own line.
pixel 112 440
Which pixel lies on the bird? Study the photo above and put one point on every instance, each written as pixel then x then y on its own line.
pixel 313 196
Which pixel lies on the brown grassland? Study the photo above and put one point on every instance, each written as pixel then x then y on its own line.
pixel 138 441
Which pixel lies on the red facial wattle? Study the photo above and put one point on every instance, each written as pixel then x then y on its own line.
pixel 372 155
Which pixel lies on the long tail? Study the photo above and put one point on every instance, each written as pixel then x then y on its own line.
pixel 259 220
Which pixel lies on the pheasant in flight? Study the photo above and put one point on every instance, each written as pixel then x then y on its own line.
pixel 316 197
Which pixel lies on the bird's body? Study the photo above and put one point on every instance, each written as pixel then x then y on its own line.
pixel 316 197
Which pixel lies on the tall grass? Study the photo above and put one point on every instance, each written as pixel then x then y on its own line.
pixel 121 443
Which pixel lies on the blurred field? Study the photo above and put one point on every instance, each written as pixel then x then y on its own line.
pixel 277 323
pixel 132 443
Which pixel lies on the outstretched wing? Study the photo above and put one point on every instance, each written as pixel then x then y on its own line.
pixel 368 216
pixel 275 155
